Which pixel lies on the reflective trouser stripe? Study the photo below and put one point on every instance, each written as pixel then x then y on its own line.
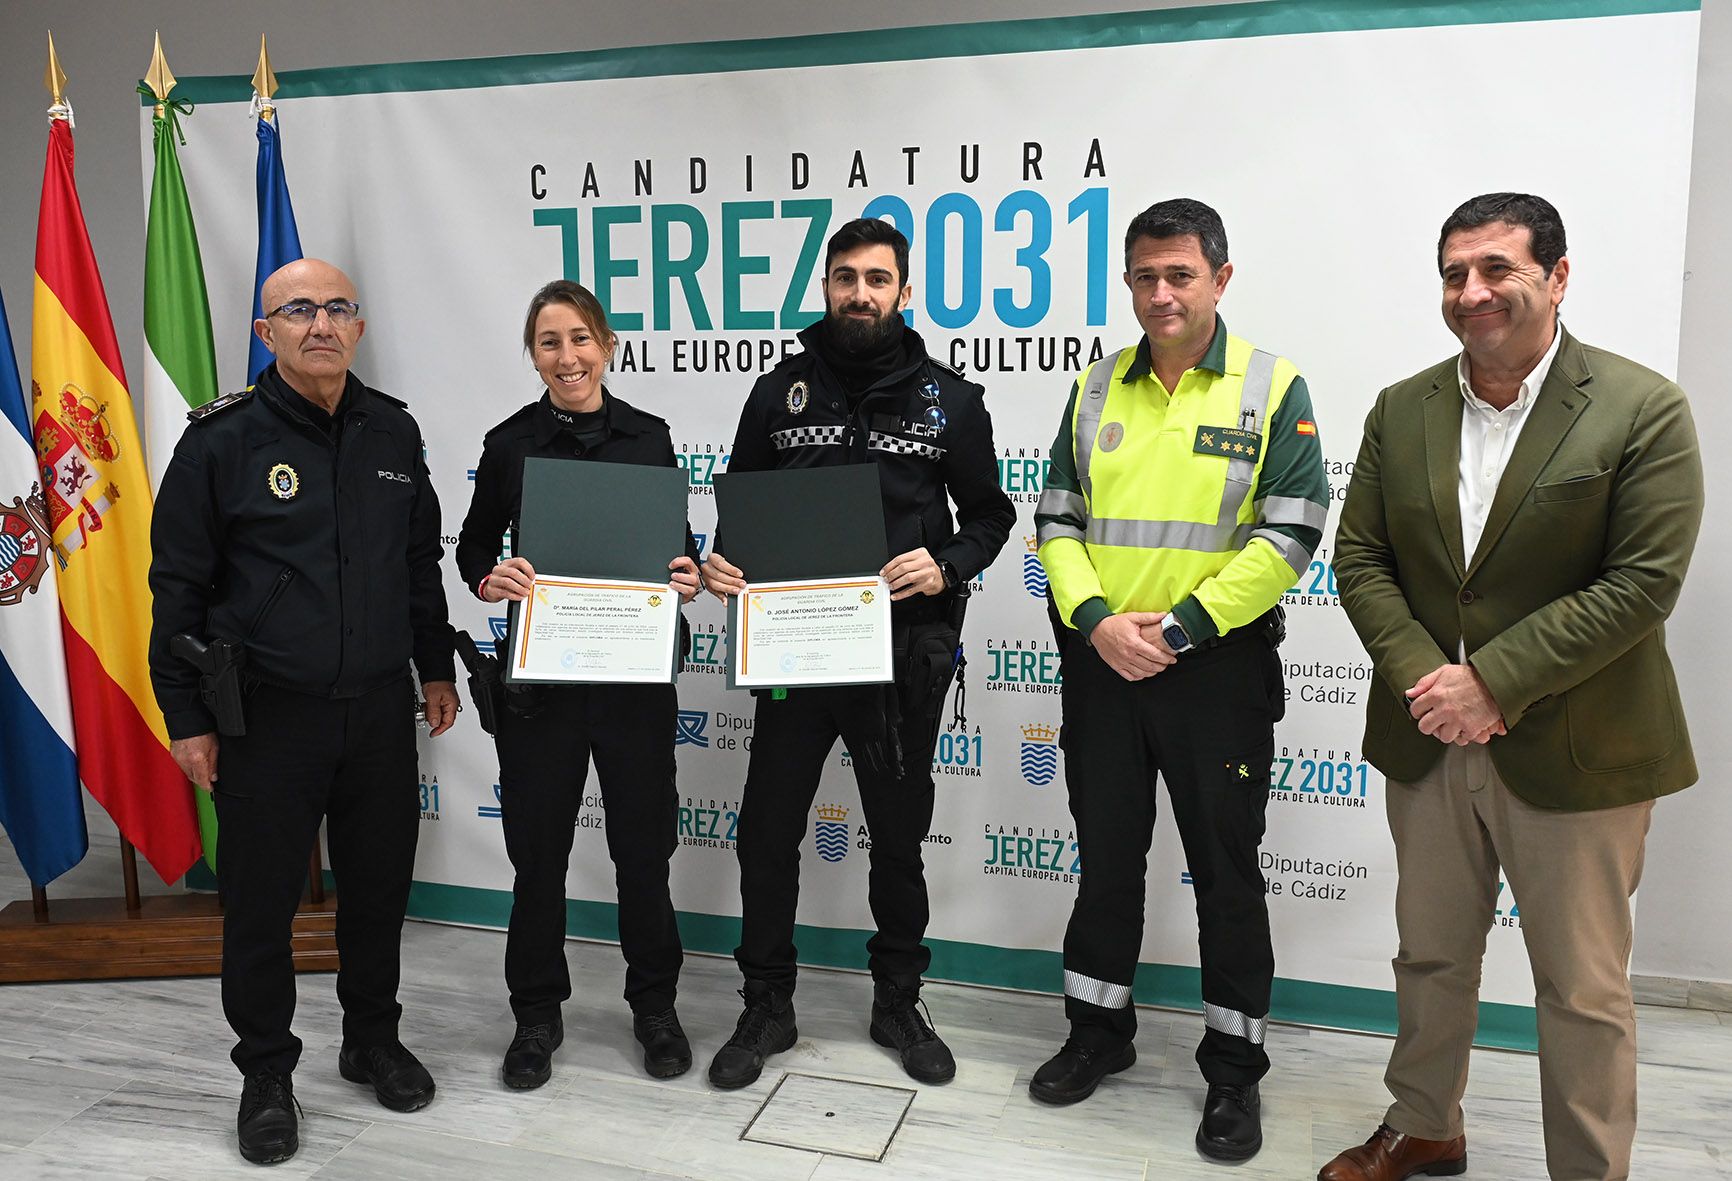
pixel 1229 1021
pixel 1096 992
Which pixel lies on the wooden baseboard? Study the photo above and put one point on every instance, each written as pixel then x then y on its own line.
pixel 168 935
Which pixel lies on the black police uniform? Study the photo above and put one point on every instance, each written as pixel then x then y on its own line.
pixel 800 415
pixel 544 757
pixel 313 539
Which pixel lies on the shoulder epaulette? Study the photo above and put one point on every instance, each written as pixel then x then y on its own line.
pixel 200 413
pixel 946 366
pixel 521 414
pixel 388 398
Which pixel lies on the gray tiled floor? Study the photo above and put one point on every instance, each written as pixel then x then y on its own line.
pixel 131 1080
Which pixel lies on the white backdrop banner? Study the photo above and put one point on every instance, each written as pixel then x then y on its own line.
pixel 693 187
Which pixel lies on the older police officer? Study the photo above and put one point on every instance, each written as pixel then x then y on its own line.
pixel 297 519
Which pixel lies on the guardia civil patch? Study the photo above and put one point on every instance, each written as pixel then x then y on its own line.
pixel 1228 441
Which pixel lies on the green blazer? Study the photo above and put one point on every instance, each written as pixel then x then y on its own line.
pixel 1562 607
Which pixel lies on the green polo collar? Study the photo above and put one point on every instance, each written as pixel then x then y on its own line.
pixel 1215 360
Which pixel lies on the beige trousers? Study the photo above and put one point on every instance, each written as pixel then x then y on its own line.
pixel 1572 874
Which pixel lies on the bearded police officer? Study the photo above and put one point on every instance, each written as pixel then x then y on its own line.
pixel 297 520
pixel 863 391
pixel 1186 493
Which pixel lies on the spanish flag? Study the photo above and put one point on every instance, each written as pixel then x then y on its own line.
pixel 98 503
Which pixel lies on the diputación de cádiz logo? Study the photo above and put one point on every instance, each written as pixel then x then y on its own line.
pixel 689 727
pixel 1039 753
pixel 830 831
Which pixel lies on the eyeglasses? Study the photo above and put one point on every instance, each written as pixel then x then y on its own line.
pixel 342 312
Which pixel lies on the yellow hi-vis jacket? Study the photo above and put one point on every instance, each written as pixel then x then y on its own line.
pixel 1207 502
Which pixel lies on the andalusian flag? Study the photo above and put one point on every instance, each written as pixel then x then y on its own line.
pixel 180 353
pixel 98 501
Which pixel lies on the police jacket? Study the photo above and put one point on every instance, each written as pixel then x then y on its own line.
pixel 317 550
pixel 798 416
pixel 539 430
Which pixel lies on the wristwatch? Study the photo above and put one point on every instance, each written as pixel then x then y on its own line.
pixel 949 573
pixel 1173 632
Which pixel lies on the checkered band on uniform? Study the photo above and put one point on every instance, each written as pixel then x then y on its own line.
pixel 878 441
pixel 809 436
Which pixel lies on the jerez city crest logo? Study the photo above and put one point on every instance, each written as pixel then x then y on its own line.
pixel 1039 754
pixel 23 546
pixel 830 832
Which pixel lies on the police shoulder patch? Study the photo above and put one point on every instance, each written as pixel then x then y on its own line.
pixel 200 413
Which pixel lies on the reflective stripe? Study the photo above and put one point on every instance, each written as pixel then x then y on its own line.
pixel 809 436
pixel 1045 533
pixel 1227 1021
pixel 1186 535
pixel 1096 992
pixel 1292 510
pixel 1253 405
pixel 1062 502
pixel 1296 555
pixel 878 441
pixel 1088 413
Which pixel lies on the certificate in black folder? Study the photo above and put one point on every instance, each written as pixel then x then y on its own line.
pixel 810 542
pixel 600 536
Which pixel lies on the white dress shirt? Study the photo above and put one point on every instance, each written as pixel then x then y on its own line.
pixel 1488 437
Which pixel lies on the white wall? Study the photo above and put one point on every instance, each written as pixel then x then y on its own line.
pixel 1686 902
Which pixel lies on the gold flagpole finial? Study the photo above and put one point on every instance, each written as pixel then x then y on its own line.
pixel 264 82
pixel 55 78
pixel 159 77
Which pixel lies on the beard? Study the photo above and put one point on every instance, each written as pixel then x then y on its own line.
pixel 861 337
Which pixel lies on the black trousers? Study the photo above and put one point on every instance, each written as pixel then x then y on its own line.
pixel 1206 725
pixel 791 738
pixel 304 758
pixel 543 765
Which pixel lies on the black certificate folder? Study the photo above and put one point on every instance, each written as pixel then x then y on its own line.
pixel 799 523
pixel 602 520
pixel 589 519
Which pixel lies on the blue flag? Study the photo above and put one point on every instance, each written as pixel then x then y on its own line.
pixel 279 241
pixel 40 805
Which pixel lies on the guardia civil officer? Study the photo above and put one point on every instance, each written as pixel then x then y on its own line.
pixel 297 520
pixel 1187 491
pixel 548 734
pixel 863 391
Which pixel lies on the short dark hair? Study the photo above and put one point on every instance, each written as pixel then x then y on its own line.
pixel 577 296
pixel 869 231
pixel 1539 215
pixel 1175 219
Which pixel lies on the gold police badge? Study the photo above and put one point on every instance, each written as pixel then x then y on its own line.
pixel 798 397
pixel 284 482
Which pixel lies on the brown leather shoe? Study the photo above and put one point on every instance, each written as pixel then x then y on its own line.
pixel 1391 1156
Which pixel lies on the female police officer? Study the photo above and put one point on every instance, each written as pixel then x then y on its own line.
pixel 545 748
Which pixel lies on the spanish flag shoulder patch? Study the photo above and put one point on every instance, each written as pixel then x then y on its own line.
pixel 1307 428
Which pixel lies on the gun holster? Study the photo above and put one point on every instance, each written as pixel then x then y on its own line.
pixel 928 654
pixel 486 689
pixel 219 664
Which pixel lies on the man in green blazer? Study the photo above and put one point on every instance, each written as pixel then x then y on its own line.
pixel 1515 534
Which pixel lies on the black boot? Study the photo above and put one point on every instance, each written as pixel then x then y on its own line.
pixel 1232 1127
pixel 266 1124
pixel 398 1079
pixel 666 1052
pixel 765 1028
pixel 529 1059
pixel 897 1022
